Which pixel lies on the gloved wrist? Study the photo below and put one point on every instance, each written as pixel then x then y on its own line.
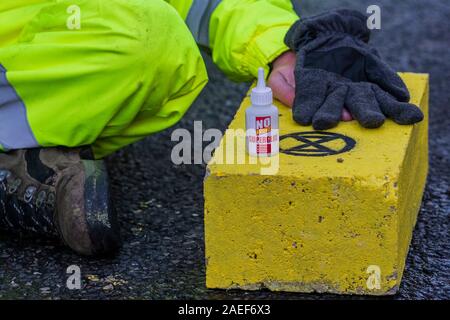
pixel 342 21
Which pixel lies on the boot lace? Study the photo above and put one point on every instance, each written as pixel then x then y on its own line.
pixel 30 211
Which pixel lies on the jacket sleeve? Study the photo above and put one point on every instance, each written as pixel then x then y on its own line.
pixel 242 34
pixel 130 69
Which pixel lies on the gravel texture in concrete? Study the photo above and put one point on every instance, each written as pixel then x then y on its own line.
pixel 160 205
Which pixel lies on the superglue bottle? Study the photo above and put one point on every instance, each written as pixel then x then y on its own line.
pixel 261 120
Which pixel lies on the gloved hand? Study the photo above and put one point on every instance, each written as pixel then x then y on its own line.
pixel 336 67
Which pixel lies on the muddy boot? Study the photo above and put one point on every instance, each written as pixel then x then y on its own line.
pixel 55 193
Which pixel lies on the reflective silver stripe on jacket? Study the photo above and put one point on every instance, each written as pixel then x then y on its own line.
pixel 15 131
pixel 199 17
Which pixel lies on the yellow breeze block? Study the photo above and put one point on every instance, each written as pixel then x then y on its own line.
pixel 327 221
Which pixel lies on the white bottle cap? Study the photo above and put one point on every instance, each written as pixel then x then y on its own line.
pixel 261 95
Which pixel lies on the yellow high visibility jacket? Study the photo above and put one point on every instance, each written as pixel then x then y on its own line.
pixel 107 73
pixel 243 34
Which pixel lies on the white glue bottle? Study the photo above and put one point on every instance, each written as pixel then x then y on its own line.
pixel 261 120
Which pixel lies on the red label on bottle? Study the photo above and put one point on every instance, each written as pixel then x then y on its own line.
pixel 263 127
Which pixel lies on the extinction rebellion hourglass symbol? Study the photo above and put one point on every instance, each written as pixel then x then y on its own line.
pixel 315 144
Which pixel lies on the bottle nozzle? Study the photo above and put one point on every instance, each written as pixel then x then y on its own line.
pixel 261 79
pixel 261 95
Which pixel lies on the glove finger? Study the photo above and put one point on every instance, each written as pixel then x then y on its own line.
pixel 329 114
pixel 380 73
pixel 400 112
pixel 311 90
pixel 363 105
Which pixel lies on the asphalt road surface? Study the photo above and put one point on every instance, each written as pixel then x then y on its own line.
pixel 160 205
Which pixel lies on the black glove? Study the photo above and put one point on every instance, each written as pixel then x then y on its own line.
pixel 336 67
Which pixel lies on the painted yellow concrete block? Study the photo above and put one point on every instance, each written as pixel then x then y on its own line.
pixel 327 221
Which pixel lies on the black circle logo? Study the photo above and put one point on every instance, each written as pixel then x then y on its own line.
pixel 315 144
